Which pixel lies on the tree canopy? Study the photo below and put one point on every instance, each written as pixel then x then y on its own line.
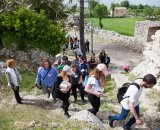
pixel 24 29
pixel 100 12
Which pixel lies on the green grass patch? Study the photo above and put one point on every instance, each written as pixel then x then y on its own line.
pixel 131 77
pixel 28 80
pixel 124 26
pixel 109 108
pixel 25 114
pixel 110 88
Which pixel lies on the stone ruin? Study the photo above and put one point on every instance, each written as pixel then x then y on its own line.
pixel 152 57
pixel 144 31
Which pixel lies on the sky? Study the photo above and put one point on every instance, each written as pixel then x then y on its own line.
pixel 136 2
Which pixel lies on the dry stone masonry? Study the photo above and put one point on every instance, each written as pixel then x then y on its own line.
pixel 152 55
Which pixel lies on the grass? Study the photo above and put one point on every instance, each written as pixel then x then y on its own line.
pixel 28 80
pixel 26 114
pixel 110 88
pixel 124 26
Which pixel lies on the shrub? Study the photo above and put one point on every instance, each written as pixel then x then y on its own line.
pixel 24 29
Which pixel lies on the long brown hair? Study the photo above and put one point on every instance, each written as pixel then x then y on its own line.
pixel 99 75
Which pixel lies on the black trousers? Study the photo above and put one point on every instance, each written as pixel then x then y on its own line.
pixel 64 97
pixel 95 102
pixel 16 94
pixel 80 88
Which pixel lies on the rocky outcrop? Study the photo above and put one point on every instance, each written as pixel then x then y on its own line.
pixel 152 56
pixel 32 58
pixel 86 116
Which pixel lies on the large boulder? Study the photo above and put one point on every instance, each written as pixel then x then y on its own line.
pixel 86 116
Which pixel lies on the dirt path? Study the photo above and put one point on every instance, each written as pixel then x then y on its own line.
pixel 119 54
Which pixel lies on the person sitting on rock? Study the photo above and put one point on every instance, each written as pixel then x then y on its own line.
pixel 94 87
pixel 77 82
pixel 130 102
pixel 63 88
pixel 47 77
pixel 13 78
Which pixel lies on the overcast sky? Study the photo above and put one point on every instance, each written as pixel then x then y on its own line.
pixel 149 2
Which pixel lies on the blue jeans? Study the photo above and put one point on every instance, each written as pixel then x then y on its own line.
pixel 123 115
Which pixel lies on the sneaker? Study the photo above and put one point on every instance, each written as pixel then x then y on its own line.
pixel 110 122
pixel 67 115
pixel 126 128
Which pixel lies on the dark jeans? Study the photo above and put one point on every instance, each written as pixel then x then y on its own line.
pixel 123 115
pixel 95 102
pixel 80 88
pixel 16 94
pixel 64 97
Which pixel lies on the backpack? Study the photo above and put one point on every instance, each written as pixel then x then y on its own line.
pixel 123 90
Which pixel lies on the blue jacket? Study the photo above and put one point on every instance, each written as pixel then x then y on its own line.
pixel 47 80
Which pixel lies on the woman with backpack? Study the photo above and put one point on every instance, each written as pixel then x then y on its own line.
pixel 13 78
pixel 63 88
pixel 46 78
pixel 94 87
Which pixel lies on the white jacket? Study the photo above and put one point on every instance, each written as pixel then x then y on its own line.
pixel 13 76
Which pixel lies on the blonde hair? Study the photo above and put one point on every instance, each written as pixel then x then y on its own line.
pixel 10 63
pixel 99 75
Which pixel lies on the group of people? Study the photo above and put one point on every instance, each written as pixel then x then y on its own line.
pixel 73 43
pixel 68 76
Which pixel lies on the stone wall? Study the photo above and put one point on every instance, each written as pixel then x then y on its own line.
pixel 152 59
pixel 118 38
pixel 143 32
pixel 142 36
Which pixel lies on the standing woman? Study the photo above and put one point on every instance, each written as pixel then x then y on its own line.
pixel 77 83
pixel 94 87
pixel 13 78
pixel 102 57
pixel 63 87
pixel 47 77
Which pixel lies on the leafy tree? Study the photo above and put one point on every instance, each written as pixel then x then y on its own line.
pixel 140 6
pixel 92 5
pixel 24 29
pixel 54 9
pixel 156 12
pixel 125 3
pixel 100 12
pixel 148 10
